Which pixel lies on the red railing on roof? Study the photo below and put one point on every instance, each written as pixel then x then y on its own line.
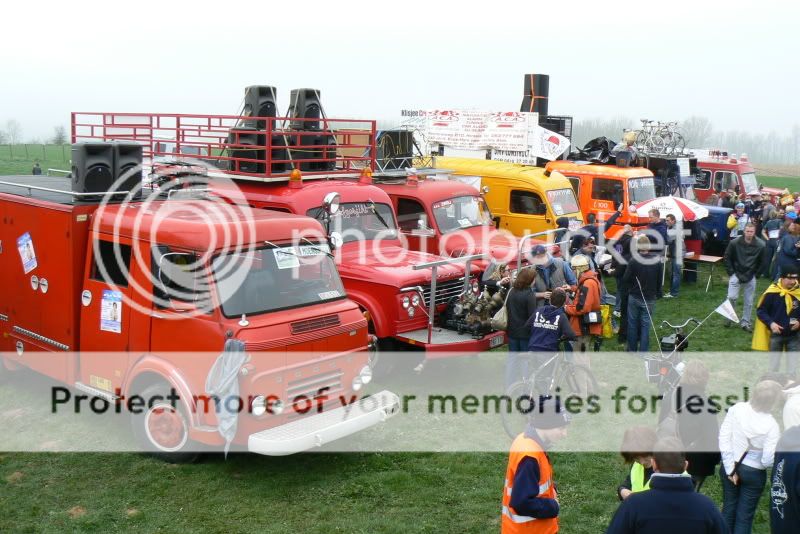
pixel 254 147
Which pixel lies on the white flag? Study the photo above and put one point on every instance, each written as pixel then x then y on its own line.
pixel 726 310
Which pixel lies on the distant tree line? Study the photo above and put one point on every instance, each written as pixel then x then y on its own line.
pixel 11 134
pixel 771 148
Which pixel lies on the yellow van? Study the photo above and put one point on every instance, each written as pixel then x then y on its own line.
pixel 521 198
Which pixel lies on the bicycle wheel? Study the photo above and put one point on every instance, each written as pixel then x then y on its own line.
pixel 576 380
pixel 679 144
pixel 523 399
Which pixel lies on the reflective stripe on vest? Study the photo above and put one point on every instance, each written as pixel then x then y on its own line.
pixel 637 478
pixel 517 518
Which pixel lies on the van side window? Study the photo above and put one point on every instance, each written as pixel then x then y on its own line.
pixel 409 214
pixel 726 180
pixel 605 189
pixel 177 276
pixel 110 266
pixel 703 180
pixel 526 202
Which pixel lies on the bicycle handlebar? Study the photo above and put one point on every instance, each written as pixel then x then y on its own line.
pixel 689 320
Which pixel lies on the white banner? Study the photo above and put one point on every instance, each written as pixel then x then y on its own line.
pixel 478 130
pixel 512 136
pixel 726 310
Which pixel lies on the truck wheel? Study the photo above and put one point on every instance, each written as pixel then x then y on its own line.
pixel 163 430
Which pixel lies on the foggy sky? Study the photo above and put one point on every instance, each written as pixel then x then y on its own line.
pixel 733 62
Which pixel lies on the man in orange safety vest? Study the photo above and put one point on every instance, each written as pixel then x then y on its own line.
pixel 530 502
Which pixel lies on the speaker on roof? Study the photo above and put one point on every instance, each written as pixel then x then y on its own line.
pixel 536 93
pixel 305 104
pixel 128 167
pixel 260 101
pixel 92 167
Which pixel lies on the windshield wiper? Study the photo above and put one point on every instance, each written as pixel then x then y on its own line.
pixel 378 215
pixel 316 247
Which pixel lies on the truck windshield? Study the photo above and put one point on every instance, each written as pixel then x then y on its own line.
pixel 641 189
pixel 275 278
pixel 461 212
pixel 749 181
pixel 562 201
pixel 359 220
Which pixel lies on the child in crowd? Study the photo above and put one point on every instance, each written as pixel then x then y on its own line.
pixel 637 450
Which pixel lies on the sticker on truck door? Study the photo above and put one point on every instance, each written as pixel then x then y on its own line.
pixel 26 252
pixel 111 311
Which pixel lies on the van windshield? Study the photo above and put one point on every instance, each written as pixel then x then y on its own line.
pixel 562 201
pixel 358 221
pixel 750 182
pixel 641 189
pixel 275 278
pixel 461 212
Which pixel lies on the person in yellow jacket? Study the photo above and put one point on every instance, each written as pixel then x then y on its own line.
pixel 778 325
pixel 530 502
pixel 637 450
pixel 737 220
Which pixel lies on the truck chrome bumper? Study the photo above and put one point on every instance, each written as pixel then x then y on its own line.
pixel 450 341
pixel 317 430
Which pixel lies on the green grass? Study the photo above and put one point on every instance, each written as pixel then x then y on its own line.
pixel 354 492
pixel 783 182
pixel 19 159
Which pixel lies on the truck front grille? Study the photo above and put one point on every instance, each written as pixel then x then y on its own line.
pixel 325 385
pixel 445 290
pixel 317 323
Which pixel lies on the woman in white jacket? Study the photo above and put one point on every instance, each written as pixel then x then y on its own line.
pixel 747 440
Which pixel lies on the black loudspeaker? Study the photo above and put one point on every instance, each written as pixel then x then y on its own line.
pixel 536 93
pixel 128 168
pixel 305 104
pixel 240 138
pixel 260 101
pixel 92 167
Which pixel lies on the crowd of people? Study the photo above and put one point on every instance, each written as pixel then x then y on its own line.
pixel 558 299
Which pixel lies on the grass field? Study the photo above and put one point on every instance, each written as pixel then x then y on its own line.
pixel 401 492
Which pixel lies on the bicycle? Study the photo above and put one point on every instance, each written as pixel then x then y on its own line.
pixel 556 376
pixel 666 371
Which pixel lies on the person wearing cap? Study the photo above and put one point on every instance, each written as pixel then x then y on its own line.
pixel 788 244
pixel 551 273
pixel 530 502
pixel 736 220
pixel 584 314
pixel 778 322
pixel 671 505
pixel 743 258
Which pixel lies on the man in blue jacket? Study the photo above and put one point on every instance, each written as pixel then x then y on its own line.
pixel 671 506
pixel 784 506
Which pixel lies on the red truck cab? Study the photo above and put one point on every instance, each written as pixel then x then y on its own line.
pixel 449 218
pixel 721 172
pixel 136 298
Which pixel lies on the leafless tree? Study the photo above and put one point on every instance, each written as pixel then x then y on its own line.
pixel 59 136
pixel 696 131
pixel 13 131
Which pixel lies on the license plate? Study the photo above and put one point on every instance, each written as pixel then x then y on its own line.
pixel 496 341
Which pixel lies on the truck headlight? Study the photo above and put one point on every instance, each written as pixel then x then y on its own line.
pixel 365 374
pixel 411 311
pixel 406 301
pixel 415 300
pixel 258 406
pixel 358 383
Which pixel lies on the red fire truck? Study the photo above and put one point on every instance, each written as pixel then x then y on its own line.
pixel 400 291
pixel 446 217
pixel 721 172
pixel 127 299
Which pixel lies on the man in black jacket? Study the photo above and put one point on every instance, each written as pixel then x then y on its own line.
pixel 784 506
pixel 671 505
pixel 743 259
pixel 642 277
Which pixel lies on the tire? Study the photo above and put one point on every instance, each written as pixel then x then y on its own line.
pixel 570 379
pixel 163 430
pixel 514 420
pixel 679 144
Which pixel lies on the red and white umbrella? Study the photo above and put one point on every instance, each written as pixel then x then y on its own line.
pixel 681 208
